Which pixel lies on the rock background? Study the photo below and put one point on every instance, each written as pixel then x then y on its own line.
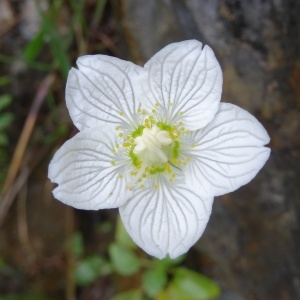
pixel 252 242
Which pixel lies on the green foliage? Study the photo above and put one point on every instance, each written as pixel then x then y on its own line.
pixel 58 128
pixel 5 117
pixel 34 47
pixel 5 120
pixel 59 41
pixel 4 80
pixel 87 269
pixel 3 139
pixel 5 100
pixel 122 237
pixel 57 44
pixel 168 262
pixel 124 261
pixel 78 8
pixel 154 280
pixel 130 295
pixel 77 244
pixel 60 131
pixel 189 285
pixel 161 279
pixel 51 35
pixel 6 269
pixel 91 268
pixel 98 12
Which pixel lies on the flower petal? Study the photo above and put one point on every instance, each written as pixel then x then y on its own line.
pixel 104 89
pixel 227 153
pixel 186 81
pixel 89 175
pixel 166 220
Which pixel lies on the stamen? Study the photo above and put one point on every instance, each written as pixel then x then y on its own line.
pixel 153 147
pixel 150 143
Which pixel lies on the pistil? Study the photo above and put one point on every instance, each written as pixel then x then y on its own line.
pixel 150 145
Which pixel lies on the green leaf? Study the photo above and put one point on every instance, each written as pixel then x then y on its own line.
pixel 7 270
pixel 57 42
pixel 4 80
pixel 77 244
pixel 104 226
pixel 190 285
pixel 60 54
pixel 34 47
pixel 124 261
pixel 131 295
pixel 167 294
pixel 59 132
pixel 89 269
pixel 171 293
pixel 5 100
pixel 5 120
pixel 154 281
pixel 98 12
pixel 78 12
pixel 167 262
pixel 3 139
pixel 122 237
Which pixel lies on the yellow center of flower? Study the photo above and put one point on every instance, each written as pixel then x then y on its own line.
pixel 151 145
pixel 154 148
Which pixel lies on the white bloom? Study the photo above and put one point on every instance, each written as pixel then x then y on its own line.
pixel 157 143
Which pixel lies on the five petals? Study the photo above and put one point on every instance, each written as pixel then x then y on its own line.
pixel 183 82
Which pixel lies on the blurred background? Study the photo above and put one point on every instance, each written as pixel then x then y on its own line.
pixel 250 249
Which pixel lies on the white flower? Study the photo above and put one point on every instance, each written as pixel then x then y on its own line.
pixel 157 143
